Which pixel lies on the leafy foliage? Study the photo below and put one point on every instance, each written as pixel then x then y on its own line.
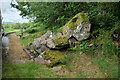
pixel 102 20
pixel 102 15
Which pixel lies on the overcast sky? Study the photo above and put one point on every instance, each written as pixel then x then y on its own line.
pixel 10 14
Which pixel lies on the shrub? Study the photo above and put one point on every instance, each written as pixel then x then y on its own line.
pixel 102 19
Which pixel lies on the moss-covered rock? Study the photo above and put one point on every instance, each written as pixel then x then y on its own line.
pixel 58 42
pixel 55 57
pixel 78 26
pixel 61 41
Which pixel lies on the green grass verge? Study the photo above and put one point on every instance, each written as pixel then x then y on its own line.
pixel 109 66
pixel 30 70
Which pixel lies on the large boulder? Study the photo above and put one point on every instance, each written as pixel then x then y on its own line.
pixel 53 57
pixel 78 27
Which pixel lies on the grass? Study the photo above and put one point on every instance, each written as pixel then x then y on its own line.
pixel 7 30
pixel 28 39
pixel 24 42
pixel 109 66
pixel 29 70
pixel 99 66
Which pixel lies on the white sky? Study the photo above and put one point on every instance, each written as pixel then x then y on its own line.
pixel 10 14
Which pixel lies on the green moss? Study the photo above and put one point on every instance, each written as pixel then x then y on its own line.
pixel 72 25
pixel 74 22
pixel 61 41
pixel 64 29
pixel 55 57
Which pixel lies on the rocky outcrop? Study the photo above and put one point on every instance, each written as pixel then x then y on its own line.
pixel 78 28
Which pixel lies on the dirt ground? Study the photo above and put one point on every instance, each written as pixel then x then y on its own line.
pixel 16 54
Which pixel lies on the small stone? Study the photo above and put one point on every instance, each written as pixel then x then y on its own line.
pixel 32 57
pixel 49 61
pixel 105 73
pixel 59 34
pixel 90 45
pixel 89 63
pixel 81 53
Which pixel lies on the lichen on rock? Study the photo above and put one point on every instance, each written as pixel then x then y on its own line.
pixel 39 44
pixel 58 42
pixel 78 26
pixel 61 41
pixel 55 57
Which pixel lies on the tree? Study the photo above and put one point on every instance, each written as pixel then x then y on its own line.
pixel 49 13
pixel 57 14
